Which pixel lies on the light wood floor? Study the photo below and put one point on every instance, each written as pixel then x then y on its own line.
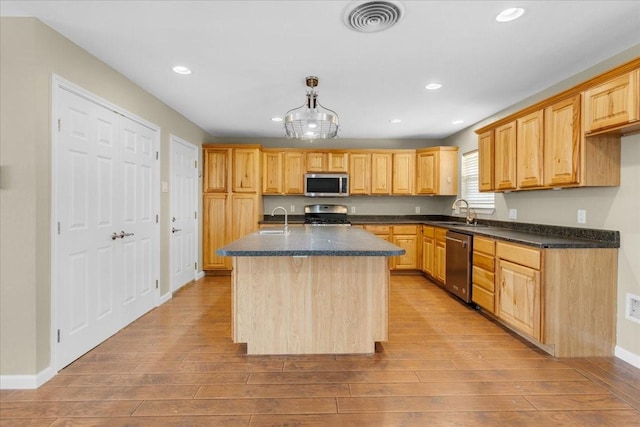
pixel 444 365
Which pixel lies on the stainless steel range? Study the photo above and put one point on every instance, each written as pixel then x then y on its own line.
pixel 326 215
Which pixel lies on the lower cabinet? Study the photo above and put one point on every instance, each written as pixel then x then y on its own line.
pixel 440 255
pixel 483 273
pixel 428 249
pixel 406 236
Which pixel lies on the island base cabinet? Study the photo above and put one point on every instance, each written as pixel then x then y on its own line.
pixel 310 305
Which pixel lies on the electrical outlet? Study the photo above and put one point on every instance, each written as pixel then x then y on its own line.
pixel 582 216
pixel 513 213
pixel 353 209
pixel 633 308
pixel 417 209
pixel 292 208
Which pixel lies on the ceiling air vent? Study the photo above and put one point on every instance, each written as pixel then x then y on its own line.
pixel 372 16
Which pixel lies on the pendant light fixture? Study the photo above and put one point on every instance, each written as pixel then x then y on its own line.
pixel 311 120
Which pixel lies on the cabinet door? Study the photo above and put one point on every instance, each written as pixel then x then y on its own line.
pixel 428 254
pixel 613 103
pixel 338 162
pixel 360 173
pixel 245 209
pixel 519 297
pixel 562 141
pixel 271 172
pixel 505 157
pixel 294 169
pixel 317 162
pixel 485 161
pixel 440 258
pixel 381 168
pixel 529 150
pixel 246 170
pixel 408 261
pixel 215 170
pixel 403 173
pixel 427 173
pixel 216 231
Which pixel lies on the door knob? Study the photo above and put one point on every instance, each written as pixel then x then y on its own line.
pixel 123 234
pixel 114 236
pixel 173 229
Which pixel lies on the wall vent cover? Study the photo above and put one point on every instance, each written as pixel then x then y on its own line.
pixel 372 16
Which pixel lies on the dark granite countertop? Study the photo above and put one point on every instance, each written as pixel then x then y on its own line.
pixel 538 235
pixel 306 240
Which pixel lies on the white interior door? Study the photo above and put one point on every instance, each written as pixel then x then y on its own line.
pixel 184 182
pixel 104 177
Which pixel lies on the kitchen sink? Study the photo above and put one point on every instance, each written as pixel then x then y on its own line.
pixel 459 224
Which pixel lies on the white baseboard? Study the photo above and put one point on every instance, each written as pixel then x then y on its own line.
pixel 26 382
pixel 627 356
pixel 200 275
pixel 164 298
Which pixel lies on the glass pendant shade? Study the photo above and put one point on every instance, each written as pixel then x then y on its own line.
pixel 311 120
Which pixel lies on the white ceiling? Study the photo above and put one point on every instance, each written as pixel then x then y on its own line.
pixel 250 58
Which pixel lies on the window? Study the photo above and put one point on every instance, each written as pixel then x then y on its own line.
pixel 483 202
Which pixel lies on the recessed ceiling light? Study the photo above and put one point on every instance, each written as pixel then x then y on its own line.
pixel 276 119
pixel 510 14
pixel 457 122
pixel 433 86
pixel 180 69
pixel 395 121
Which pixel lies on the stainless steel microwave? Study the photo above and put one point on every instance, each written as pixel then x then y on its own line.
pixel 326 184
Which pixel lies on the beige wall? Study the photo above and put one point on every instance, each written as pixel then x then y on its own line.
pixel 30 53
pixel 613 208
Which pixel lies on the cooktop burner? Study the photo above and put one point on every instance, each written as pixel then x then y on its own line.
pixel 326 215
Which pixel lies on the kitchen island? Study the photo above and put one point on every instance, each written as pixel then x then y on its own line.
pixel 313 290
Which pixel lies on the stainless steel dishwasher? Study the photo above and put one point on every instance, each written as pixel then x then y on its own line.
pixel 458 266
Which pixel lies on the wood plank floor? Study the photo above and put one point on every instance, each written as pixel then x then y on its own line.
pixel 444 365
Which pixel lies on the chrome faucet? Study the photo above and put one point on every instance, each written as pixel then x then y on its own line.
pixel 286 220
pixel 471 215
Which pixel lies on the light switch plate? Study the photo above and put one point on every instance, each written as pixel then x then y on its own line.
pixel 353 209
pixel 292 208
pixel 582 216
pixel 417 209
pixel 513 213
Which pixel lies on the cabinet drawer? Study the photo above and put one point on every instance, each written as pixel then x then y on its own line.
pixel 483 298
pixel 484 279
pixel 487 246
pixel 427 231
pixel 440 233
pixel 485 262
pixel 378 229
pixel 405 229
pixel 519 254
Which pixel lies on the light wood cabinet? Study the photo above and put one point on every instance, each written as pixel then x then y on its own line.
pixel 230 211
pixel 612 104
pixel 428 250
pixel 216 232
pixel 562 142
pixel 519 288
pixel 214 179
pixel 485 161
pixel 246 170
pixel 440 257
pixel 505 157
pixel 437 171
pixel 403 173
pixel 483 273
pixel 360 173
pixel 294 170
pixel 338 161
pixel 406 236
pixel 272 172
pixel 316 162
pixel 529 150
pixel 381 173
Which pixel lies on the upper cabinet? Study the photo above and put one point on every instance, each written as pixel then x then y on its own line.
pixel 403 172
pixel 360 173
pixel 294 170
pixel 569 140
pixel 327 161
pixel 272 172
pixel 246 170
pixel 216 170
pixel 437 171
pixel 505 157
pixel 612 104
pixel 485 161
pixel 381 173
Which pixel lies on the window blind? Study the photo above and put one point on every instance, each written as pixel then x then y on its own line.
pixel 470 181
